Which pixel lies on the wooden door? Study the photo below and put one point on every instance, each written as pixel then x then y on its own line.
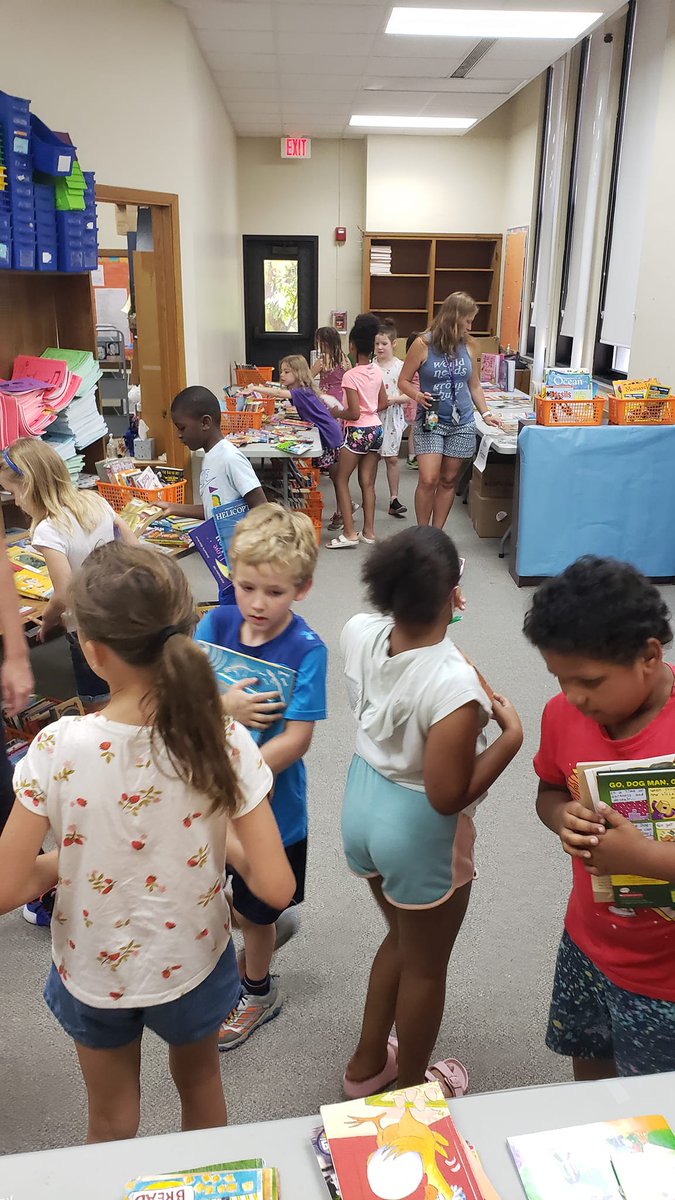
pixel 512 294
pixel 153 376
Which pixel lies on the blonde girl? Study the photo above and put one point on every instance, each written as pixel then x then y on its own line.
pixel 141 799
pixel 66 525
pixel 448 391
pixel 299 387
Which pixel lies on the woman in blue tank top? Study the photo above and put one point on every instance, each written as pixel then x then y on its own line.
pixel 447 392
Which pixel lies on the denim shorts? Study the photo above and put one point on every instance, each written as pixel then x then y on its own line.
pixel 591 1017
pixel 90 687
pixel 190 1018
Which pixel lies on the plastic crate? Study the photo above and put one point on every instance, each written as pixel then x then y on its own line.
pixel 267 403
pixel 659 411
pixel 316 520
pixel 240 422
pixel 49 152
pixel 246 375
pixel 566 413
pixel 118 496
pixel 46 256
pixel 71 258
pixel 23 254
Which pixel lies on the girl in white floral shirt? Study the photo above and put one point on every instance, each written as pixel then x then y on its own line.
pixel 139 799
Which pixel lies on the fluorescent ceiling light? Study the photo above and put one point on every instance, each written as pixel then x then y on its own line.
pixel 489 23
pixel 414 122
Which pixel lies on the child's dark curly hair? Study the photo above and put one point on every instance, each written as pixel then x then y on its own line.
pixel 363 333
pixel 600 608
pixel 412 574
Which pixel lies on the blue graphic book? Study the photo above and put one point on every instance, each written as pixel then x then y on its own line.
pixel 226 518
pixel 257 1183
pixel 231 667
pixel 205 538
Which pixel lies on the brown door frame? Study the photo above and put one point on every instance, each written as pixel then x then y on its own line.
pixel 166 243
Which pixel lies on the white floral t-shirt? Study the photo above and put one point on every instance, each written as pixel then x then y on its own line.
pixel 140 917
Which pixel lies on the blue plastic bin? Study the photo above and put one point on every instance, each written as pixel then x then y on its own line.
pixel 71 258
pixel 5 252
pixel 47 255
pixel 49 152
pixel 23 254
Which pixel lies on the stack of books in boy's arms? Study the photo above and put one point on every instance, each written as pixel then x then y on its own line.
pixel 32 577
pixel 247 1180
pixel 643 791
pixel 400 1144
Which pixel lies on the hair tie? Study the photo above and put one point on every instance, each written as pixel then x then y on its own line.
pixel 12 465
pixel 166 634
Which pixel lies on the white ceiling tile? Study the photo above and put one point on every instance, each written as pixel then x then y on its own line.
pixel 471 84
pixel 527 49
pixel 505 68
pixel 323 50
pixel 352 19
pixel 412 67
pixel 220 62
pixel 425 47
pixel 216 14
pixel 236 43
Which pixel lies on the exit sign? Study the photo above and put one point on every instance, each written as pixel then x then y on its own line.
pixel 296 147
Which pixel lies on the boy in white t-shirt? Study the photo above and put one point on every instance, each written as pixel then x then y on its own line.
pixel 393 418
pixel 226 472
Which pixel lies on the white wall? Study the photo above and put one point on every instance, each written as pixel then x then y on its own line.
pixel 451 184
pixel 280 196
pixel 521 116
pixel 651 347
pixel 129 83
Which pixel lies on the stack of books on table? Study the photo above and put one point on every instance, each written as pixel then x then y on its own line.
pixel 380 260
pixel 32 577
pixel 246 1180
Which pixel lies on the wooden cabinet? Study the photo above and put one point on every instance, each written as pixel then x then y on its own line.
pixel 427 268
pixel 47 308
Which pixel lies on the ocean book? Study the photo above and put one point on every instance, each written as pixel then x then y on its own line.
pixel 231 667
pixel 629 1159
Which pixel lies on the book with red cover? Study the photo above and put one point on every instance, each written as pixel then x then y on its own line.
pixel 402 1144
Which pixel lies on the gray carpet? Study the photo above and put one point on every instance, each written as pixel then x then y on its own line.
pixel 501 970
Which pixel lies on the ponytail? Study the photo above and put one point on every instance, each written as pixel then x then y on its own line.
pixel 139 604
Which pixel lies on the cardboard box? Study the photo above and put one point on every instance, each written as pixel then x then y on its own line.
pixel 495 481
pixel 523 380
pixel 490 517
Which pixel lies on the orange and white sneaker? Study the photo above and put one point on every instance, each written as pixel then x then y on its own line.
pixel 250 1013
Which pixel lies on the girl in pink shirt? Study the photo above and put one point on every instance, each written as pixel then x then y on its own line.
pixel 365 399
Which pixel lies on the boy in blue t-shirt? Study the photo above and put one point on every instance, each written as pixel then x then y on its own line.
pixel 272 557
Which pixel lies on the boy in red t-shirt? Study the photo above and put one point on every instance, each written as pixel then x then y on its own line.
pixel 601 628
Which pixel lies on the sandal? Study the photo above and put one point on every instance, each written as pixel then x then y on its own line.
pixel 452 1076
pixel 335 522
pixel 368 541
pixel 354 1090
pixel 342 543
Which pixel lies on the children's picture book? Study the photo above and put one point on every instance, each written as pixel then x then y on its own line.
pixel 236 1181
pixel 643 791
pixel 24 558
pixel 33 585
pixel 325 1160
pixel 563 377
pixel 226 518
pixel 231 667
pixel 205 538
pixel 139 514
pixel 401 1145
pixel 629 1159
pixel 490 365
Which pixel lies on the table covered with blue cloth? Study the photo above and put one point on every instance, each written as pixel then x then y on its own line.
pixel 607 490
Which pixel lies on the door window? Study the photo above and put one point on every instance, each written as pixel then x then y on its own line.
pixel 281 295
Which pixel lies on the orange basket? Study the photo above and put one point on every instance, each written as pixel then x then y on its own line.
pixel 569 412
pixel 240 422
pixel 641 412
pixel 267 403
pixel 315 518
pixel 246 375
pixel 117 495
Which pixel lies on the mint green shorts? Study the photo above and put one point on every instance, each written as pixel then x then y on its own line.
pixel 391 832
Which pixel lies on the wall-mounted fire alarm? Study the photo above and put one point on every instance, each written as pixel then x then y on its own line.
pixel 340 233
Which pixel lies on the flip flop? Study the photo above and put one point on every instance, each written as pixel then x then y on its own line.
pixel 454 1077
pixel 342 543
pixel 358 1090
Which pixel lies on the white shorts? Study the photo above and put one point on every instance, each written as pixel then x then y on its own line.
pixel 393 428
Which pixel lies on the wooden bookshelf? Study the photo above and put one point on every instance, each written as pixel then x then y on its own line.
pixel 425 269
pixel 47 308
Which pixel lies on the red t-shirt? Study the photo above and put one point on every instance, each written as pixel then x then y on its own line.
pixel 635 948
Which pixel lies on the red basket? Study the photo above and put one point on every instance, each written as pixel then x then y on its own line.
pixel 118 496
pixel 240 422
pixel 569 412
pixel 642 412
pixel 246 375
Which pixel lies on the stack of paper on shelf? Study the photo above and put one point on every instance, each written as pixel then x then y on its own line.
pixel 81 420
pixel 380 260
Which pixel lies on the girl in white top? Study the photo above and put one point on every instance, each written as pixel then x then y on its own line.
pixel 66 525
pixel 420 764
pixel 139 799
pixel 393 419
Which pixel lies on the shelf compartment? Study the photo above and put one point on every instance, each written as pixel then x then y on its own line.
pixel 391 292
pixel 409 256
pixel 458 253
pixel 477 284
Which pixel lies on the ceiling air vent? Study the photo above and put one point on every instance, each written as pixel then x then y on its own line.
pixel 479 51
